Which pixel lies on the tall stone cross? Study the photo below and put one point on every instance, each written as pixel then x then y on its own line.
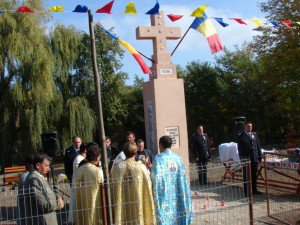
pixel 159 33
pixel 164 101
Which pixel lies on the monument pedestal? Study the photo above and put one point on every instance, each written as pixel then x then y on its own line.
pixel 164 107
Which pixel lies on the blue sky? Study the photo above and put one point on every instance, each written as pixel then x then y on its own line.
pixel 193 47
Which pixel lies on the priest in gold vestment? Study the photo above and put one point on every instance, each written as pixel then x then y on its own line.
pixel 132 191
pixel 88 209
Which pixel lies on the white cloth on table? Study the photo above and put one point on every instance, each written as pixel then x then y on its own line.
pixel 229 151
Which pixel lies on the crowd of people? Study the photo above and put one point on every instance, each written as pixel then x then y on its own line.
pixel 145 189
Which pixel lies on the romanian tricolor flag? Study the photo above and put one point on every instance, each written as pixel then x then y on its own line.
pixel 133 51
pixel 207 29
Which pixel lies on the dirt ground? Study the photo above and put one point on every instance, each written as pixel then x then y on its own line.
pixel 215 203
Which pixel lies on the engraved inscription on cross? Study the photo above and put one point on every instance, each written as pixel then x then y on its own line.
pixel 159 34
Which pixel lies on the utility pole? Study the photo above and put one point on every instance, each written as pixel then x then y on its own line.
pixel 107 219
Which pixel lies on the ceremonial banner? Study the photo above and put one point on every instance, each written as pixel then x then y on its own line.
pixel 56 8
pixel 207 29
pixel 130 8
pixel 154 10
pixel 220 21
pixel 81 9
pixel 133 51
pixel 174 18
pixel 106 8
pixel 240 21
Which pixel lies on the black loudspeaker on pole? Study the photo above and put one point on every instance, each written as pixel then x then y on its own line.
pixel 50 144
pixel 237 126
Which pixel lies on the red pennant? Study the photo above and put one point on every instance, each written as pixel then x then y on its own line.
pixel 106 8
pixel 286 23
pixel 24 9
pixel 240 21
pixel 173 18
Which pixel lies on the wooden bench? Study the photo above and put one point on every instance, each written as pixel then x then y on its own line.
pixel 11 174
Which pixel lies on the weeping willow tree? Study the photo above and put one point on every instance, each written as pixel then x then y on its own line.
pixel 77 117
pixel 26 80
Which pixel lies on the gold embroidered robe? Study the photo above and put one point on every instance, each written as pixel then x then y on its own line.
pixel 132 194
pixel 88 209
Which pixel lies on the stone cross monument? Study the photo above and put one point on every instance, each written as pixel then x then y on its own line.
pixel 164 101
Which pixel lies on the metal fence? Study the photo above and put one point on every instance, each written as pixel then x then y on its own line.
pixel 220 200
pixel 281 174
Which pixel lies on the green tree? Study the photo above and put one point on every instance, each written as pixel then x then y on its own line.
pixel 26 82
pixel 279 52
pixel 112 80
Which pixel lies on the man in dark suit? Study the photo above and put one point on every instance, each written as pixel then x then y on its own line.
pixel 249 149
pixel 112 153
pixel 70 155
pixel 202 153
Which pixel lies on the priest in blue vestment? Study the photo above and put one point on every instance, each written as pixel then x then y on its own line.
pixel 171 190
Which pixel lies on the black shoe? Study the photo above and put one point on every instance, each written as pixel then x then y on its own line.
pixel 257 192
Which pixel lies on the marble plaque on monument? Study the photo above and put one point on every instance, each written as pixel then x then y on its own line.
pixel 173 132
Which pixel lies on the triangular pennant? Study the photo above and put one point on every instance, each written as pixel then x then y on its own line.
pixel 275 24
pixel 154 10
pixel 199 11
pixel 174 18
pixel 286 23
pixel 81 9
pixel 130 8
pixel 240 21
pixel 24 9
pixel 298 23
pixel 1 11
pixel 56 8
pixel 221 22
pixel 106 8
pixel 257 22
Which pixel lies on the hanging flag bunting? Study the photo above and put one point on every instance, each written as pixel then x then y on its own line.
pixel 24 9
pixel 199 11
pixel 220 21
pixel 1 11
pixel 56 8
pixel 298 23
pixel 130 8
pixel 240 21
pixel 174 18
pixel 286 23
pixel 154 10
pixel 106 8
pixel 81 9
pixel 133 51
pixel 257 22
pixel 204 26
pixel 275 24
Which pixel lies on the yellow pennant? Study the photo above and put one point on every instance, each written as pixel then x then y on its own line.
pixel 257 22
pixel 199 11
pixel 57 8
pixel 130 8
pixel 298 23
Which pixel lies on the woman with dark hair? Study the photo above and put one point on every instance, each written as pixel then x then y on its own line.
pixel 87 188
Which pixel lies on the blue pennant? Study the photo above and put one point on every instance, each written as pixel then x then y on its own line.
pixel 154 10
pixel 81 9
pixel 220 21
pixel 274 23
pixel 1 11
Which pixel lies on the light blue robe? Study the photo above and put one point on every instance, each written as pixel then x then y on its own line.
pixel 171 190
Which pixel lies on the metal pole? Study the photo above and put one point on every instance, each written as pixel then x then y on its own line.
pixel 266 184
pixel 249 182
pixel 180 41
pixel 100 119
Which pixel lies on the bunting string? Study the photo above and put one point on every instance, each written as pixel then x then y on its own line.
pixel 131 10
